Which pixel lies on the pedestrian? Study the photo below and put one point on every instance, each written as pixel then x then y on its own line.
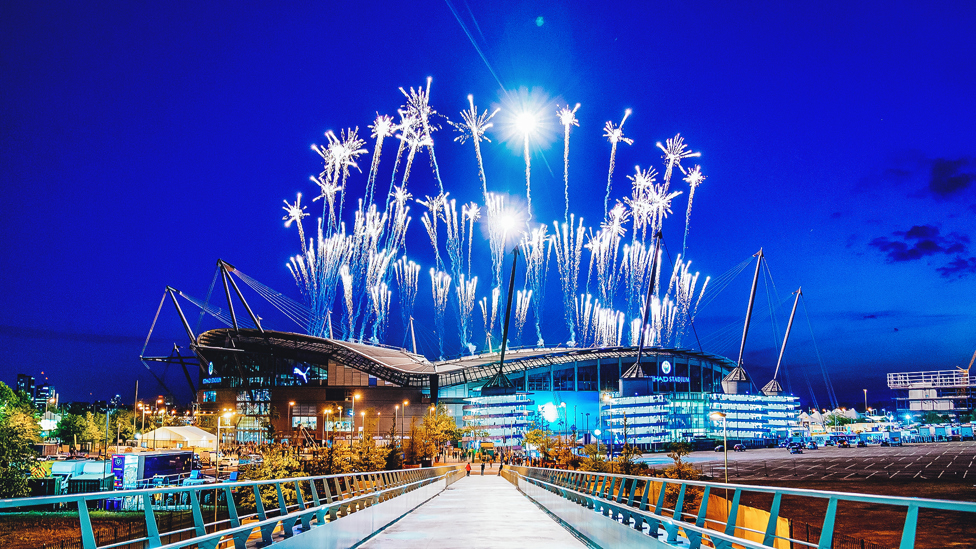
pixel 468 469
pixel 482 468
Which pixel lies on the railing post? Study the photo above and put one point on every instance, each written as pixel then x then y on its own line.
pixel 87 535
pixel 908 532
pixel 152 531
pixel 199 526
pixel 773 520
pixel 734 512
pixel 827 532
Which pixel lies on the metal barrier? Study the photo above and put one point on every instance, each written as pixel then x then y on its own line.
pixel 622 502
pixel 311 503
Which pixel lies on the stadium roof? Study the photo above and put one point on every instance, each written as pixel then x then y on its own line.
pixel 404 368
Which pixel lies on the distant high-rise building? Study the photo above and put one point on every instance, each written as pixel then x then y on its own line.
pixel 25 383
pixel 43 394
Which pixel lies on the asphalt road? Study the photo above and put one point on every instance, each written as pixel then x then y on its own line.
pixel 937 460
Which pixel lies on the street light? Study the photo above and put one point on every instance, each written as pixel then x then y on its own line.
pixel 327 411
pixel 715 416
pixel 355 397
pixel 377 425
pixel 364 424
pixel 403 419
pixel 291 404
pixel 217 469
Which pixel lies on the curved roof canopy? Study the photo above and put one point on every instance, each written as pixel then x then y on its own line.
pixel 404 368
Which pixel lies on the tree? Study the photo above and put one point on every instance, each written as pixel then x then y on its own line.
pixel 278 463
pixel 933 418
pixel 542 440
pixel 594 460
pixel 18 431
pixel 70 428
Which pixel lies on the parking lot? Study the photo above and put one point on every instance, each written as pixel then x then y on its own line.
pixel 926 461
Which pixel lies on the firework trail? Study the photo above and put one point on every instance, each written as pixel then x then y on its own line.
pixel 473 128
pixel 522 300
pixel 694 178
pixel 528 175
pixel 466 293
pixel 327 192
pixel 348 328
pixel 407 128
pixel 377 269
pixel 640 200
pixel 568 242
pixel 380 296
pixel 496 236
pixel 435 210
pixel 407 275
pixel 450 216
pixel 317 274
pixel 345 151
pixel 295 213
pixel 567 118
pixel 381 128
pixel 604 247
pixel 584 310
pixel 636 268
pixel 674 152
pixel 490 319
pixel 418 105
pixel 470 212
pixel 440 286
pixel 614 135
pixel 537 248
pixel 399 221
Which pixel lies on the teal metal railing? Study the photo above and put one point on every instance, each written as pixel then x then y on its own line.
pixel 640 503
pixel 305 502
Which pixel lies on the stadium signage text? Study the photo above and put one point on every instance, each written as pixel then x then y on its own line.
pixel 670 379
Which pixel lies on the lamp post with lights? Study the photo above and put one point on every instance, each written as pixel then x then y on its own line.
pixel 226 415
pixel 715 416
pixel 355 397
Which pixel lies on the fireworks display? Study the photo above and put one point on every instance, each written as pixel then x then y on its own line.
pixel 348 277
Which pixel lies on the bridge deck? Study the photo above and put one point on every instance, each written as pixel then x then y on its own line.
pixel 479 511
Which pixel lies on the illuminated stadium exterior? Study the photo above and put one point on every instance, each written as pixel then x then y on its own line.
pixel 257 373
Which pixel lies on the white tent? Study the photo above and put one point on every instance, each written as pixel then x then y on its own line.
pixel 178 437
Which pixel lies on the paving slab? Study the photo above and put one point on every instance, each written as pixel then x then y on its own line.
pixel 475 512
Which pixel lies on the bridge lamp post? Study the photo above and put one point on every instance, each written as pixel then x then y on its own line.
pixel 355 397
pixel 715 416
pixel 403 419
pixel 291 405
pixel 377 425
pixel 364 425
pixel 217 470
pixel 325 413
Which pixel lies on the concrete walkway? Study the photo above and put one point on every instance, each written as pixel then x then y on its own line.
pixel 478 511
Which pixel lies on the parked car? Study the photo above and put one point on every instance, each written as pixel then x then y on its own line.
pixel 784 444
pixel 796 449
pixel 861 444
pixel 739 448
pixel 842 443
pixel 720 448
pixel 885 443
pixel 811 445
pixel 829 442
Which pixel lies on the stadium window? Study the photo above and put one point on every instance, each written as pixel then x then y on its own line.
pixel 539 381
pixel 562 380
pixel 210 396
pixel 586 378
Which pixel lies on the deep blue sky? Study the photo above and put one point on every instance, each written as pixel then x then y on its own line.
pixel 142 142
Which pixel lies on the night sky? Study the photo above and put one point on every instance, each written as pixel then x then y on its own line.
pixel 142 142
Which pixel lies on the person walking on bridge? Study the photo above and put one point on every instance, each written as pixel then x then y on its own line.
pixel 467 468
pixel 482 468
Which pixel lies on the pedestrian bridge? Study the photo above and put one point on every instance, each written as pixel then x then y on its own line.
pixel 441 507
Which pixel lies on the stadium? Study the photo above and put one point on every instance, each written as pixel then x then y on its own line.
pixel 594 393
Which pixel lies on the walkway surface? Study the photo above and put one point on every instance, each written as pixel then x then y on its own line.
pixel 477 511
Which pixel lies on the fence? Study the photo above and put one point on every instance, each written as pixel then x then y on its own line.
pixel 630 502
pixel 274 510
